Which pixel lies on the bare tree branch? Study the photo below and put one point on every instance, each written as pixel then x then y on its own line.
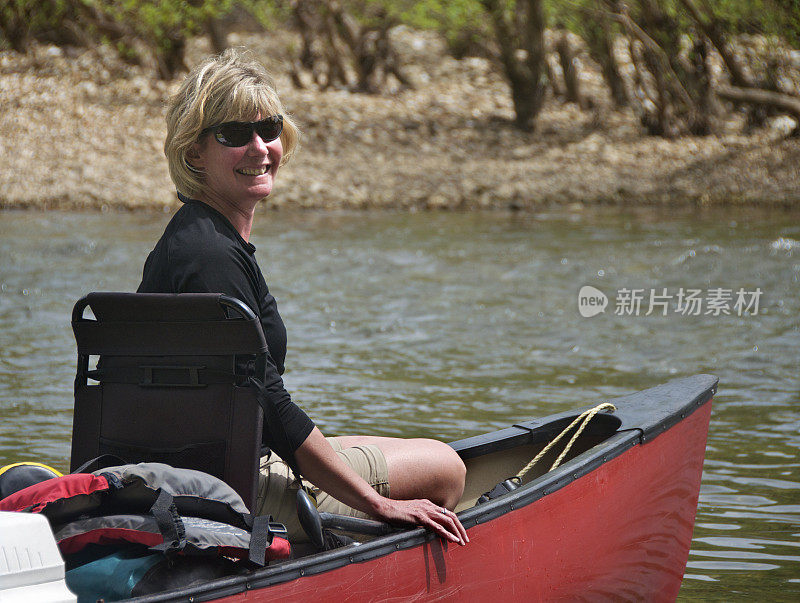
pixel 756 96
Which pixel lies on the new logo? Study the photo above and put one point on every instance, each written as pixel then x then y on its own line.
pixel 591 301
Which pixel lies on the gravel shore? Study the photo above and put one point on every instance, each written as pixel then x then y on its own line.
pixel 80 130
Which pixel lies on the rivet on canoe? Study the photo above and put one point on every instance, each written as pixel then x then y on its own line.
pixel 302 572
pixel 248 586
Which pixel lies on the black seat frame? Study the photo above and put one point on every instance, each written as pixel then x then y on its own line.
pixel 176 382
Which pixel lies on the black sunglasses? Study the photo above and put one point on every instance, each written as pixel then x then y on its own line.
pixel 239 133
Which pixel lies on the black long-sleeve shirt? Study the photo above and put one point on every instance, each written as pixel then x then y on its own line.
pixel 201 252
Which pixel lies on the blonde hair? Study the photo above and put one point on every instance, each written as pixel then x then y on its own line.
pixel 227 87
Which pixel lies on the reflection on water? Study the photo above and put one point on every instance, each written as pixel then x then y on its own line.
pixel 449 325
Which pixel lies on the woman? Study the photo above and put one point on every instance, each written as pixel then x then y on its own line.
pixel 227 136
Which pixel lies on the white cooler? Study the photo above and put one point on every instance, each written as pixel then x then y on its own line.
pixel 31 568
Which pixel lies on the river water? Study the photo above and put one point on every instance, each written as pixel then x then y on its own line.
pixel 449 325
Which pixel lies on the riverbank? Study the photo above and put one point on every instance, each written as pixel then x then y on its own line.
pixel 82 130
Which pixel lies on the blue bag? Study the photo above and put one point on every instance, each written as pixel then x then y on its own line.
pixel 112 577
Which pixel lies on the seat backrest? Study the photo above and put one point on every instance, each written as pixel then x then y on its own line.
pixel 173 383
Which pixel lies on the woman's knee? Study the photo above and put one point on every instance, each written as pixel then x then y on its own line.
pixel 453 474
pixel 423 468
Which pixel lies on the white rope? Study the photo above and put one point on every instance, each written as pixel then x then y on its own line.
pixel 585 417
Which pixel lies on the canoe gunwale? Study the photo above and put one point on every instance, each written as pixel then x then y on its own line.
pixel 633 413
pixel 641 417
pixel 660 419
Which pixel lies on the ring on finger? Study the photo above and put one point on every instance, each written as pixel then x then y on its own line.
pixel 443 510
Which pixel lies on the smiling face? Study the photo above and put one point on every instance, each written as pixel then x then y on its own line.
pixel 231 86
pixel 237 177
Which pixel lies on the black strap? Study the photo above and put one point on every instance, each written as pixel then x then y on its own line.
pixel 247 519
pixel 154 375
pixel 260 539
pixel 169 523
pixel 103 457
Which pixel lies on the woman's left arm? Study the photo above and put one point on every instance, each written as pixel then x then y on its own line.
pixel 320 464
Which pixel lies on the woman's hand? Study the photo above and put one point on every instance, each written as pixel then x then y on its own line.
pixel 424 513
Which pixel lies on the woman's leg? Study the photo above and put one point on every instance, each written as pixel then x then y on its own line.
pixel 418 468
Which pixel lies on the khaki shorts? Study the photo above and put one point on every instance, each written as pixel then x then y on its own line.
pixel 277 486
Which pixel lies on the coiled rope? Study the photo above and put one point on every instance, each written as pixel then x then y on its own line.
pixel 585 417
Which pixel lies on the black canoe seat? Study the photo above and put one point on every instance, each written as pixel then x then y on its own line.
pixel 172 383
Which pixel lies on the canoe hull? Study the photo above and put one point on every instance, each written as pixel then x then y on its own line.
pixel 622 530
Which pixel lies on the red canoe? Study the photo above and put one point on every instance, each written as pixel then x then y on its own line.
pixel 614 521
